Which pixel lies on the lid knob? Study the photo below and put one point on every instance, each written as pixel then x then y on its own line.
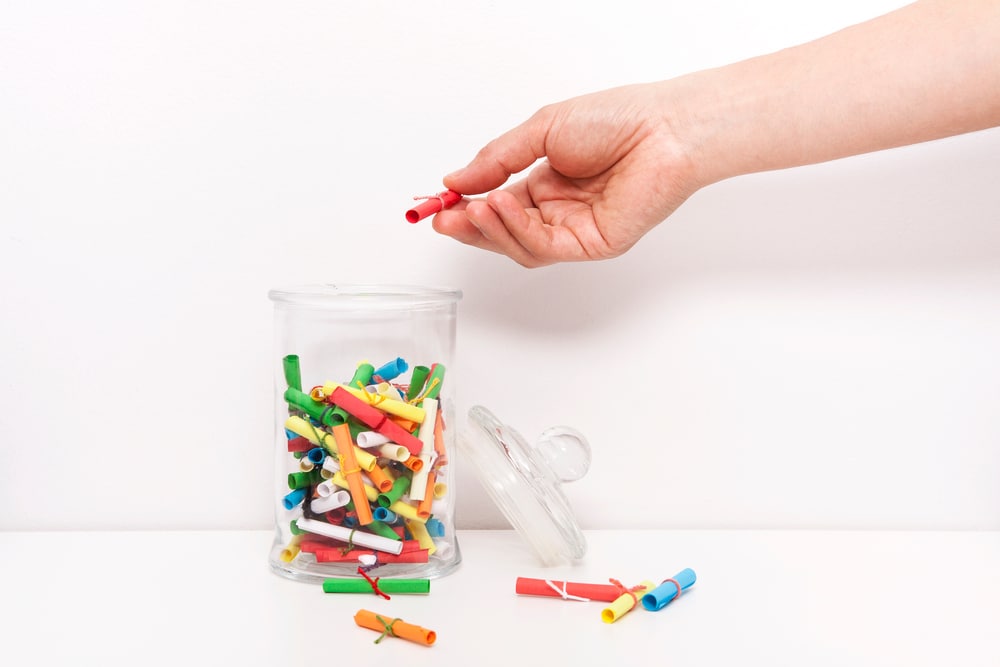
pixel 565 451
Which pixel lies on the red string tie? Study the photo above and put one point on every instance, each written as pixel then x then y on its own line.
pixel 374 583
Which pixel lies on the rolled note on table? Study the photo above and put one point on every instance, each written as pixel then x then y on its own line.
pixel 659 597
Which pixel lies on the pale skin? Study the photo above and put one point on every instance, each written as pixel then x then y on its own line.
pixel 616 163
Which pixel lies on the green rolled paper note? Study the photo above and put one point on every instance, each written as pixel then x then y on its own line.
pixel 318 411
pixel 293 375
pixel 435 387
pixel 300 480
pixel 383 529
pixel 418 378
pixel 399 487
pixel 403 586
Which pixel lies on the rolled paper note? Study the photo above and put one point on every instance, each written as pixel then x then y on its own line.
pixel 352 471
pixel 331 464
pixel 567 590
pixel 385 515
pixel 417 380
pixel 299 480
pixel 659 597
pixel 399 487
pixel 439 449
pixel 434 381
pixel 392 586
pixel 336 515
pixel 394 452
pixel 305 465
pixel 418 487
pixel 362 376
pixel 440 490
pixel 321 412
pixel 434 527
pixel 299 444
pixel 293 375
pixel 391 369
pixel 369 439
pixel 294 498
pixel 290 551
pixel 350 536
pixel 405 424
pixel 414 463
pixel 420 534
pixel 390 406
pixel 317 437
pixel 380 479
pixel 316 455
pixel 386 390
pixel 424 506
pixel 395 627
pixel 625 602
pixel 431 205
pixel 336 555
pixel 374 419
pixel 329 502
pixel 382 529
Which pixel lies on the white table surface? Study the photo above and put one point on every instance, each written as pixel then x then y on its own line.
pixel 762 598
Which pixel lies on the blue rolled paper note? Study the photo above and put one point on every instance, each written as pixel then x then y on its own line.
pixel 392 369
pixel 658 598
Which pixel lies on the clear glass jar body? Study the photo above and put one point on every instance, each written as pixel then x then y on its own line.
pixel 364 453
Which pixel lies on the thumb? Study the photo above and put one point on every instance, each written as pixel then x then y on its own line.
pixel 508 154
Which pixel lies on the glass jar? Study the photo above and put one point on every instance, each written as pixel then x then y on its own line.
pixel 364 404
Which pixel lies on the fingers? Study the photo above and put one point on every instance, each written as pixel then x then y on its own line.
pixel 503 225
pixel 508 154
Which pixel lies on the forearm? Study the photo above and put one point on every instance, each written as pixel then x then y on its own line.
pixel 926 71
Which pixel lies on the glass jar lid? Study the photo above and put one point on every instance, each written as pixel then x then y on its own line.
pixel 524 481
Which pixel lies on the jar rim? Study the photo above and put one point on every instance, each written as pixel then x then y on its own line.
pixel 353 294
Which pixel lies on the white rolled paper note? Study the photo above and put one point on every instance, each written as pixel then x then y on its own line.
pixel 351 536
pixel 418 483
pixel 368 439
pixel 332 501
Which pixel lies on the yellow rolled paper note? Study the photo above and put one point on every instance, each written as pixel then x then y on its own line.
pixel 300 426
pixel 388 405
pixel 625 603
pixel 420 534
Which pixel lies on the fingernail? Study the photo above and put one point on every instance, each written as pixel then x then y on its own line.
pixel 457 174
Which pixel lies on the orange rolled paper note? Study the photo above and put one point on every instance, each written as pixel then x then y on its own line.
pixel 395 627
pixel 349 466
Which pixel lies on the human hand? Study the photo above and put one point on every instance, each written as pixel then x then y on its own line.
pixel 614 169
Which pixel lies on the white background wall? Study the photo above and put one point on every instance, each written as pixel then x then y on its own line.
pixel 812 348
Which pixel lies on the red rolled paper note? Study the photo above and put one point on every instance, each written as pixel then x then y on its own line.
pixel 567 590
pixel 375 419
pixel 336 556
pixel 432 205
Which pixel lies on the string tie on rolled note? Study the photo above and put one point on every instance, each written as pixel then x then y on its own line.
pixel 428 389
pixel 674 582
pixel 562 592
pixel 387 626
pixel 326 411
pixel 373 398
pixel 626 591
pixel 439 196
pixel 350 543
pixel 373 583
